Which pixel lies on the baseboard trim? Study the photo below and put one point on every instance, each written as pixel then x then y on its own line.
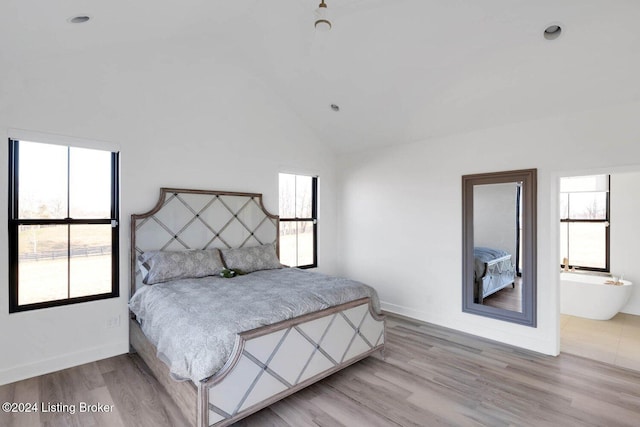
pixel 498 332
pixel 42 367
pixel 407 312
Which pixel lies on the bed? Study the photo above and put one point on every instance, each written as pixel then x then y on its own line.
pixel 297 328
pixel 493 271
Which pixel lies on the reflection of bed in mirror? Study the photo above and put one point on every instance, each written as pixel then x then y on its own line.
pixel 493 271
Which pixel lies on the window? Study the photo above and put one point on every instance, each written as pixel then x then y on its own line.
pixel 298 220
pixel 584 222
pixel 63 225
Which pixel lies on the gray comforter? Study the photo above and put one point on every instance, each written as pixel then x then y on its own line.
pixel 482 256
pixel 193 322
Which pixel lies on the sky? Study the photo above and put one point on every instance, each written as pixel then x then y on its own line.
pixel 44 174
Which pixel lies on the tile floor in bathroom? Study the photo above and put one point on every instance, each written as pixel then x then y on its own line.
pixel 615 341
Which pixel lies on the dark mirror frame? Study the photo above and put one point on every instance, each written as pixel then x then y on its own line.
pixel 528 177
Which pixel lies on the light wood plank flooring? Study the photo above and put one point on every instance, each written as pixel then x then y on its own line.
pixel 431 376
pixel 507 298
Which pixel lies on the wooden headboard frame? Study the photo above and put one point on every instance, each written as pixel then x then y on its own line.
pixel 201 219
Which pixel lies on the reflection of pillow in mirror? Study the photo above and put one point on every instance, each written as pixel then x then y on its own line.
pixel 250 259
pixel 162 266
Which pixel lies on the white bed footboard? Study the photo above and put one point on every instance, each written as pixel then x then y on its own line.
pixel 275 361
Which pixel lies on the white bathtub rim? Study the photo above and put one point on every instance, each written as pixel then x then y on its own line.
pixel 591 279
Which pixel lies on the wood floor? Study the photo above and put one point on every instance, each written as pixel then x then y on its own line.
pixel 509 298
pixel 431 376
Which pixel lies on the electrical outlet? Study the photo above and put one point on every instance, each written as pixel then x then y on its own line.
pixel 113 322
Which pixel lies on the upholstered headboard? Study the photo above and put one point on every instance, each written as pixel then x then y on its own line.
pixel 201 219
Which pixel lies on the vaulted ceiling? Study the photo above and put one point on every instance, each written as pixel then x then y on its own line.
pixel 400 70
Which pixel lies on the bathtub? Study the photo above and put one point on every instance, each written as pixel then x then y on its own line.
pixel 586 295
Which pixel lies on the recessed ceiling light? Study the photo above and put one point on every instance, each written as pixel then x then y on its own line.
pixel 80 19
pixel 335 107
pixel 552 32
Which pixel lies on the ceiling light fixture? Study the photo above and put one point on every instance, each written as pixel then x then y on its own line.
pixel 552 32
pixel 80 19
pixel 322 18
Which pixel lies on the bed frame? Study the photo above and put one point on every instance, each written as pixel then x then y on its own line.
pixel 498 274
pixel 267 363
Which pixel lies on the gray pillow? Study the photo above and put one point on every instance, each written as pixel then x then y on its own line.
pixel 162 266
pixel 251 259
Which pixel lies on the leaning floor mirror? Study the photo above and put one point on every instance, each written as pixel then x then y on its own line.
pixel 499 245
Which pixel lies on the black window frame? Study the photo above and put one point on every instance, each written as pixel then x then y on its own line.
pixel 313 220
pixel 606 222
pixel 15 222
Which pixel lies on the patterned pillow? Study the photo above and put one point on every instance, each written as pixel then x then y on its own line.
pixel 251 259
pixel 162 266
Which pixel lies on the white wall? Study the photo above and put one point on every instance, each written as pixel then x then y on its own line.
pixel 625 233
pixel 203 125
pixel 401 212
pixel 494 217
